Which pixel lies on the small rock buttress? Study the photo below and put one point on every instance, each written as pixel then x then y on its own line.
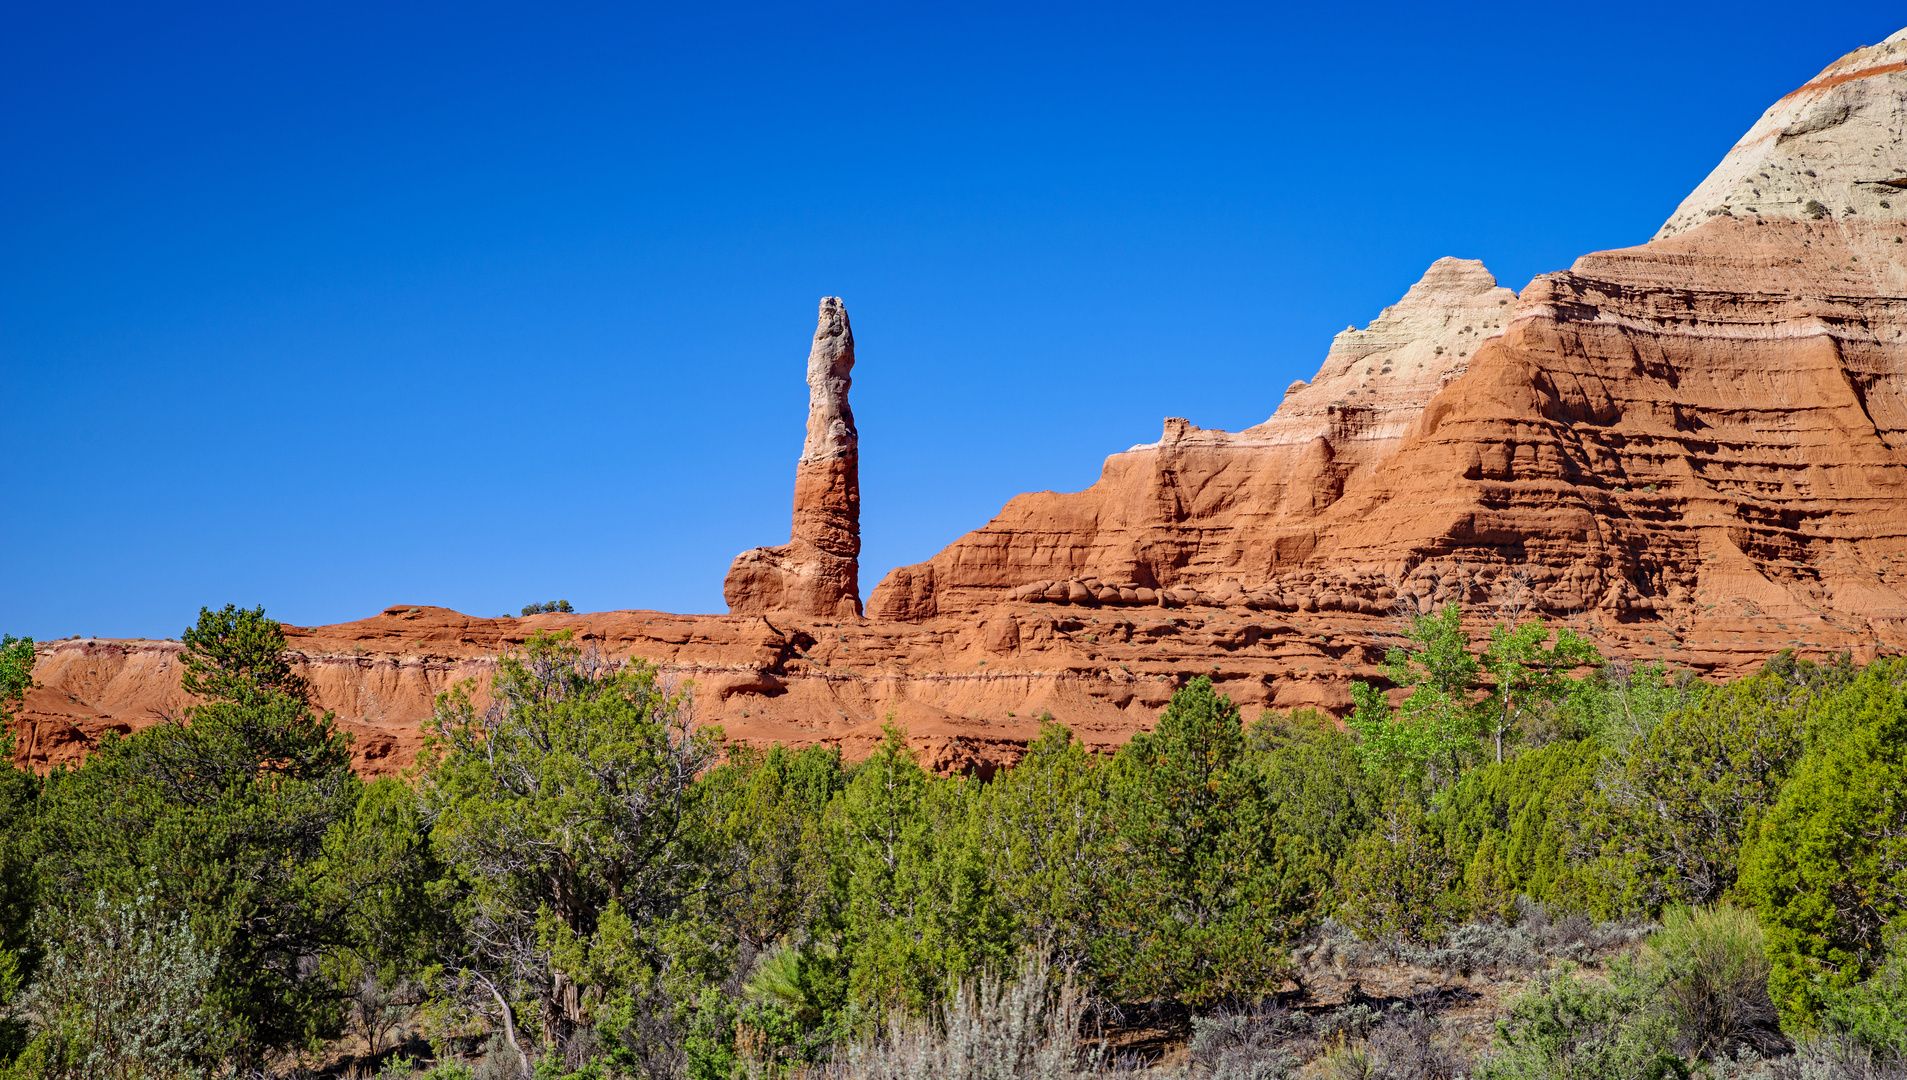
pixel 818 571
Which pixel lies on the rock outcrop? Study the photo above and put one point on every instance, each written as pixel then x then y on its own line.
pixel 1831 150
pixel 1694 450
pixel 1215 513
pixel 1678 441
pixel 818 571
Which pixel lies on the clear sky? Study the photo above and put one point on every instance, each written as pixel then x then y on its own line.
pixel 335 306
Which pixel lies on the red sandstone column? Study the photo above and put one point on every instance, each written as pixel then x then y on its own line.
pixel 817 572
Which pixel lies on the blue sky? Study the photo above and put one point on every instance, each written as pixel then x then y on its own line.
pixel 335 306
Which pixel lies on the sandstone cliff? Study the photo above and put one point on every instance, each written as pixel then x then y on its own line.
pixel 1693 450
pixel 1671 442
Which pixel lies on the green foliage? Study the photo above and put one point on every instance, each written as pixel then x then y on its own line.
pixel 19 799
pixel 1518 684
pixel 19 804
pixel 1435 729
pixel 1712 965
pixel 236 653
pixel 1573 1028
pixel 547 607
pixel 13 1025
pixel 1620 702
pixel 1507 826
pixel 579 866
pixel 19 813
pixel 1203 893
pixel 1396 881
pixel 1871 1013
pixel 125 993
pixel 708 1043
pixel 1524 674
pixel 1667 822
pixel 569 811
pixel 766 814
pixel 917 901
pixel 1314 782
pixel 1047 826
pixel 228 817
pixel 1826 867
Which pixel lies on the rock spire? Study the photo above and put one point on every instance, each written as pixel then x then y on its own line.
pixel 817 572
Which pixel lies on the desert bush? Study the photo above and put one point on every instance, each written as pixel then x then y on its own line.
pixel 1260 1042
pixel 1572 1028
pixel 986 1028
pixel 1354 1042
pixel 1537 941
pixel 1712 964
pixel 19 806
pixel 916 904
pixel 1410 1044
pixel 1532 939
pixel 123 994
pixel 376 1011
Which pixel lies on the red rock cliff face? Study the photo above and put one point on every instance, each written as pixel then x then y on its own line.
pixel 1687 441
pixel 1694 450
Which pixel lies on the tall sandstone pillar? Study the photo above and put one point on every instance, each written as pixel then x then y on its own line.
pixel 817 571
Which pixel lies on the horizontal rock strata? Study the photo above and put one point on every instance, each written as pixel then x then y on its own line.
pixel 1694 450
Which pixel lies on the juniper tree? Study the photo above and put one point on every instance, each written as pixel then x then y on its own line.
pixel 1049 834
pixel 567 807
pixel 1204 892
pixel 243 817
pixel 1826 865
pixel 917 905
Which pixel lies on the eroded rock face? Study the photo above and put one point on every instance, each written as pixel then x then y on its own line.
pixel 1204 512
pixel 1693 441
pixel 1832 150
pixel 818 571
pixel 1694 450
